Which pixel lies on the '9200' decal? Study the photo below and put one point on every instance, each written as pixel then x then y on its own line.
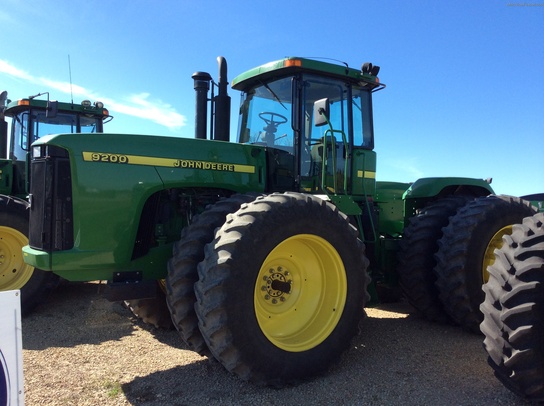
pixel 113 158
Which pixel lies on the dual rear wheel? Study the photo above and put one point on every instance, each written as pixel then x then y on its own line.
pixel 279 291
pixel 446 250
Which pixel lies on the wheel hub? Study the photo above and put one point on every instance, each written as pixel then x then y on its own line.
pixel 277 285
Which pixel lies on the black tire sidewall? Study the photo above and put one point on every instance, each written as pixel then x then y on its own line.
pixel 502 216
pixel 245 330
pixel 14 214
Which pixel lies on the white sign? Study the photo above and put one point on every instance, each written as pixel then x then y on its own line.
pixel 11 349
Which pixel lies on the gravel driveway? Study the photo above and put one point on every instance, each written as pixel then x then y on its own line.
pixel 80 349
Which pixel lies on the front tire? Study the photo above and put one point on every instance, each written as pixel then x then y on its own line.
pixel 513 310
pixel 282 289
pixel 35 285
pixel 466 250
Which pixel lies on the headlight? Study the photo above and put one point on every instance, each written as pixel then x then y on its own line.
pixel 36 152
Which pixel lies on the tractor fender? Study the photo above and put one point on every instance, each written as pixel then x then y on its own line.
pixel 437 187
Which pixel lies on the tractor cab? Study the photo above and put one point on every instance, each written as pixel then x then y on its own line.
pixel 315 121
pixel 33 118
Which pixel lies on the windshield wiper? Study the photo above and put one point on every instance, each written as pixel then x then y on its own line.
pixel 274 94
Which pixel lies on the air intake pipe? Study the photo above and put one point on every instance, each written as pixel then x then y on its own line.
pixel 202 85
pixel 222 104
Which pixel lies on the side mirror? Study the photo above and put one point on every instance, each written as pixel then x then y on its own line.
pixel 321 112
pixel 52 109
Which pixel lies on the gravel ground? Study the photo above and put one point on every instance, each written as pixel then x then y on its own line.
pixel 79 349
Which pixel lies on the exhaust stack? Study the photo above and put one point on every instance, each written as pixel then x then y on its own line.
pixel 222 104
pixel 202 85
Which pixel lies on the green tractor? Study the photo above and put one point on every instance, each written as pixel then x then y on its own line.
pixel 513 309
pixel 264 251
pixel 31 119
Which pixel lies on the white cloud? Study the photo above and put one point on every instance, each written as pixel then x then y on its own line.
pixel 137 105
pixel 157 111
pixel 7 68
pixel 403 170
pixel 65 87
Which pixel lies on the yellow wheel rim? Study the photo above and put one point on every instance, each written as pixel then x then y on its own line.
pixel 494 243
pixel 300 293
pixel 14 273
pixel 162 284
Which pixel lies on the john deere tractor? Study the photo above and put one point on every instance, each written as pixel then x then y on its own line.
pixel 31 118
pixel 267 249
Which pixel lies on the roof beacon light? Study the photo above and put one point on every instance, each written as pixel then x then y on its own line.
pixel 86 103
pixel 98 104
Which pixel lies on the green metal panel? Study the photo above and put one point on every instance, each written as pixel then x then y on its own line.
pixel 431 187
pixel 6 176
pixel 536 200
pixel 391 207
pixel 113 175
pixel 363 172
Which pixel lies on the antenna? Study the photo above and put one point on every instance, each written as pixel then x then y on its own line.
pixel 70 73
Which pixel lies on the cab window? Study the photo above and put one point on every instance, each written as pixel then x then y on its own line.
pixel 265 115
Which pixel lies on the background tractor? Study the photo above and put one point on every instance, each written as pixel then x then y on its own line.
pixel 31 119
pixel 265 250
pixel 513 310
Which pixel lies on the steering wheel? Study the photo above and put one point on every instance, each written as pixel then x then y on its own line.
pixel 270 121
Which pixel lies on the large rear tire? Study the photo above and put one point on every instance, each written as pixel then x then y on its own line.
pixel 282 288
pixel 513 310
pixel 183 268
pixel 35 285
pixel 466 250
pixel 416 256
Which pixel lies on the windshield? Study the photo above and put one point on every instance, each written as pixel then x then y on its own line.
pixel 28 127
pixel 265 115
pixel 62 123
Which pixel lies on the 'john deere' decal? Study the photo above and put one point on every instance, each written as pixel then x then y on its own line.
pixel 167 162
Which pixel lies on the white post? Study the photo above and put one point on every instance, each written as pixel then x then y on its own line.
pixel 11 349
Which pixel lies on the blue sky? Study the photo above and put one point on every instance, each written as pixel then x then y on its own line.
pixel 465 78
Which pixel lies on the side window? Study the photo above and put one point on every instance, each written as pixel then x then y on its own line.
pixel 316 146
pixel 20 139
pixel 88 124
pixel 362 119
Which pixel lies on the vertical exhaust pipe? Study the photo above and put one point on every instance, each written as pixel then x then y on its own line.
pixel 202 85
pixel 222 104
pixel 3 126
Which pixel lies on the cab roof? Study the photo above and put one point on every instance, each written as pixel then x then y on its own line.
pixel 292 65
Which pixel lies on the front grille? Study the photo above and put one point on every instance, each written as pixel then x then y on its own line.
pixel 51 215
